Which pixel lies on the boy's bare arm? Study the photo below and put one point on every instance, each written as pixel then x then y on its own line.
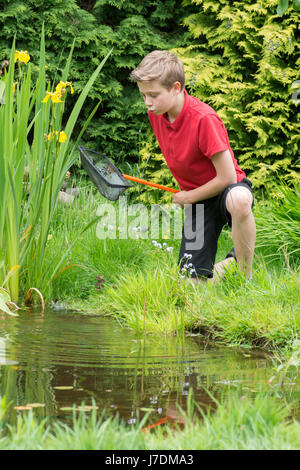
pixel 225 176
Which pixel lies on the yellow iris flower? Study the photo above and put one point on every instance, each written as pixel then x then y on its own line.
pixel 59 91
pixel 62 136
pixel 22 56
pixel 63 85
pixel 55 97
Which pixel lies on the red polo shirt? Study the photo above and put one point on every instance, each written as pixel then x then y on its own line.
pixel 190 141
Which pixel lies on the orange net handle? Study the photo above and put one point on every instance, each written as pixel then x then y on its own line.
pixel 148 183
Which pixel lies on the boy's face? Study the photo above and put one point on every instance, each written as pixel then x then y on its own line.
pixel 157 98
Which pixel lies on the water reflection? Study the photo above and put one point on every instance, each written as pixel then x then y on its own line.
pixel 62 358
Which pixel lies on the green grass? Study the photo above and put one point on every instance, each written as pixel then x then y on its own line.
pixel 260 312
pixel 278 222
pixel 107 258
pixel 141 287
pixel 259 423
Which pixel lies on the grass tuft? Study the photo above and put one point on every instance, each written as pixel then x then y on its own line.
pixel 259 423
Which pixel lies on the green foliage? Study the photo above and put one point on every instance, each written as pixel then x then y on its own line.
pixel 242 59
pixel 28 203
pixel 239 422
pixel 262 312
pixel 90 257
pixel 278 224
pixel 5 301
pixel 132 28
pixel 283 5
pixel 244 65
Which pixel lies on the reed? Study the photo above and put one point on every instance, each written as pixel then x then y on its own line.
pixel 33 141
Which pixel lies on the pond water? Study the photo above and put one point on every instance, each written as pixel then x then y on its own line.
pixel 58 359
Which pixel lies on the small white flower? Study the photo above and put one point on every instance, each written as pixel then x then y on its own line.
pixel 131 421
pixel 169 248
pixel 153 399
pixel 164 244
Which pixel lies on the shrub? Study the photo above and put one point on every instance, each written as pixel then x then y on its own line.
pixel 244 62
pixel 132 28
pixel 245 65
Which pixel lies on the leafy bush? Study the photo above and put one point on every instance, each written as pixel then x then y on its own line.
pixel 244 62
pixel 132 28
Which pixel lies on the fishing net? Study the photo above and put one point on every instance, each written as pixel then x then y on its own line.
pixel 106 177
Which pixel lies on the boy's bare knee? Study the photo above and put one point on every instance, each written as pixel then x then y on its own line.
pixel 239 202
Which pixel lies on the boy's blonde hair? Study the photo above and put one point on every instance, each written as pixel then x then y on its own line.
pixel 163 66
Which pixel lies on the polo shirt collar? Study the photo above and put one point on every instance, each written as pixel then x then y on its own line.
pixel 178 121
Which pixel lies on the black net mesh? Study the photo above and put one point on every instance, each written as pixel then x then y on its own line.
pixel 106 177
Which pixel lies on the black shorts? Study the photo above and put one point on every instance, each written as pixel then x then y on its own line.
pixel 202 227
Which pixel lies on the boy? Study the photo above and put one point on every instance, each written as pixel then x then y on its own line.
pixel 195 145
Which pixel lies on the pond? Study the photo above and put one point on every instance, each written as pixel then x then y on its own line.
pixel 58 359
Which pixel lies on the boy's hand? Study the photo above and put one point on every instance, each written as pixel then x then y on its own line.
pixel 181 198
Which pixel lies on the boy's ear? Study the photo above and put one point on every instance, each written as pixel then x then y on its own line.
pixel 176 87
